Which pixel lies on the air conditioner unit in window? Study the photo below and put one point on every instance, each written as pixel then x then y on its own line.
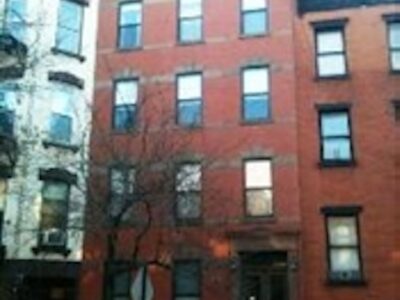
pixel 53 237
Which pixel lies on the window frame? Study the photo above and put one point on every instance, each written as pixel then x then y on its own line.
pixel 268 94
pixel 135 105
pixel 198 264
pixel 179 22
pixel 135 25
pixel 268 188
pixel 57 48
pixel 126 195
pixel 242 20
pixel 71 90
pixel 6 23
pixel 328 109
pixel 390 20
pixel 66 203
pixel 188 220
pixel 179 101
pixel 325 27
pixel 351 211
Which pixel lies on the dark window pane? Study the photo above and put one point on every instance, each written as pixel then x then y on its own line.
pixel 251 287
pixel 130 37
pixel 6 122
pixel 190 30
pixel 187 279
pixel 254 22
pixel 189 112
pixel 256 107
pixel 279 286
pixel 124 117
pixel 60 128
pixel 121 284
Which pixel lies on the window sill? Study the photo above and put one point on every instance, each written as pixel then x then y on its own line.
pixel 65 146
pixel 77 56
pixel 6 172
pixel 337 164
pixel 130 131
pixel 346 283
pixel 190 43
pixel 190 127
pixel 63 250
pixel 132 49
pixel 189 222
pixel 394 72
pixel 333 77
pixel 256 122
pixel 244 36
pixel 260 219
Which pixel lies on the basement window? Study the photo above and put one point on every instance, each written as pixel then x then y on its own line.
pixel 187 275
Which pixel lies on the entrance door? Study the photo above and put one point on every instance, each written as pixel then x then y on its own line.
pixel 264 276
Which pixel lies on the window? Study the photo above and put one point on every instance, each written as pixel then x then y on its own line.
pixel 187 276
pixel 189 99
pixel 258 184
pixel 336 140
pixel 61 119
pixel 188 189
pixel 7 104
pixel 130 25
pixel 15 18
pixel 54 213
pixel 190 21
pixel 125 102
pixel 394 45
pixel 70 19
pixel 254 17
pixel 121 284
pixel 264 275
pixel 331 53
pixel 256 102
pixel 122 180
pixel 344 252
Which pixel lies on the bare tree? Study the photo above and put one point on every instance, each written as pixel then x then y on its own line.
pixel 144 184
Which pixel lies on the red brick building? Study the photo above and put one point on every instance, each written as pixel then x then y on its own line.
pixel 225 72
pixel 348 81
pixel 296 109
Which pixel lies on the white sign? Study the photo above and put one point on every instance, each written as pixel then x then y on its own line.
pixel 142 288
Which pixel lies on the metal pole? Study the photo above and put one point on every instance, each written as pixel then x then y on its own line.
pixel 144 282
